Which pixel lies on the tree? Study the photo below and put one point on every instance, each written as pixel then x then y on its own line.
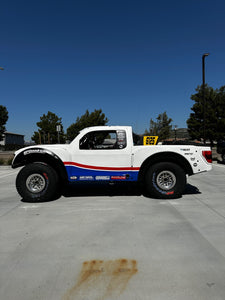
pixel 220 114
pixel 96 118
pixel 161 127
pixel 47 133
pixel 214 114
pixel 3 119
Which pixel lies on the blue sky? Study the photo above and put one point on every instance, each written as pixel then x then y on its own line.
pixel 132 59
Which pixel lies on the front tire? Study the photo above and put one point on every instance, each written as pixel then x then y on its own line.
pixel 37 182
pixel 165 180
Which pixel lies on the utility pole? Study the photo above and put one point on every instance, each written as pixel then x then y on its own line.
pixel 58 129
pixel 203 92
pixel 175 132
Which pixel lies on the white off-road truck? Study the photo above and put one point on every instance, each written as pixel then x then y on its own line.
pixel 108 153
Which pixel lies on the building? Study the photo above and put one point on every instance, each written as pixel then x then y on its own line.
pixel 180 134
pixel 10 138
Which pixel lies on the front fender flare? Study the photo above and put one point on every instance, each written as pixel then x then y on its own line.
pixel 31 155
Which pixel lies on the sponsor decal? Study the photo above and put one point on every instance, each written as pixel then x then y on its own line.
pixel 33 151
pixel 73 177
pixel 118 177
pixel 86 178
pixel 170 193
pixel 46 176
pixel 102 177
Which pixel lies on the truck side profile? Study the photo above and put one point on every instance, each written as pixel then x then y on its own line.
pixel 108 153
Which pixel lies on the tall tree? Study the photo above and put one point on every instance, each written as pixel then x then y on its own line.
pixel 3 119
pixel 220 114
pixel 214 114
pixel 161 127
pixel 47 133
pixel 95 118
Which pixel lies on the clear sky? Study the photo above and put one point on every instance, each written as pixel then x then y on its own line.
pixel 132 59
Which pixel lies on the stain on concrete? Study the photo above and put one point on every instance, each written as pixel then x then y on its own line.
pixel 101 280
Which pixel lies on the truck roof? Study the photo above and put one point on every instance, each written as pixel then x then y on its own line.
pixel 93 128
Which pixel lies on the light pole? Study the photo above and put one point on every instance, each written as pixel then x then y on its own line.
pixel 58 129
pixel 175 132
pixel 203 91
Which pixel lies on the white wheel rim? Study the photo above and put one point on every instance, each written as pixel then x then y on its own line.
pixel 166 180
pixel 35 183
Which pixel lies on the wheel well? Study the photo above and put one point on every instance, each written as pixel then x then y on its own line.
pixel 165 157
pixel 50 159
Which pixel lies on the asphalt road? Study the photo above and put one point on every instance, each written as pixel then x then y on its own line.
pixel 113 243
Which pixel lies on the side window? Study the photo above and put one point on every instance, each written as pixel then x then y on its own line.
pixel 103 140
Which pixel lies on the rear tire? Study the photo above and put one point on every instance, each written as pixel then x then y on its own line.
pixel 37 182
pixel 165 180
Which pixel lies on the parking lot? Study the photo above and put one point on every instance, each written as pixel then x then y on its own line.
pixel 114 243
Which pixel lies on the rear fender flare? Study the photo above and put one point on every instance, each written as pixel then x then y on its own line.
pixel 165 157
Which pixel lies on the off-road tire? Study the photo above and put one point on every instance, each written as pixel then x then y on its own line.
pixel 37 182
pixel 165 180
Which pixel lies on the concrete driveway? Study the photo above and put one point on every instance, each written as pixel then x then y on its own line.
pixel 113 243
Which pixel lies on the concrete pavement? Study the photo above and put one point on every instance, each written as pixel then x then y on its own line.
pixel 121 246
